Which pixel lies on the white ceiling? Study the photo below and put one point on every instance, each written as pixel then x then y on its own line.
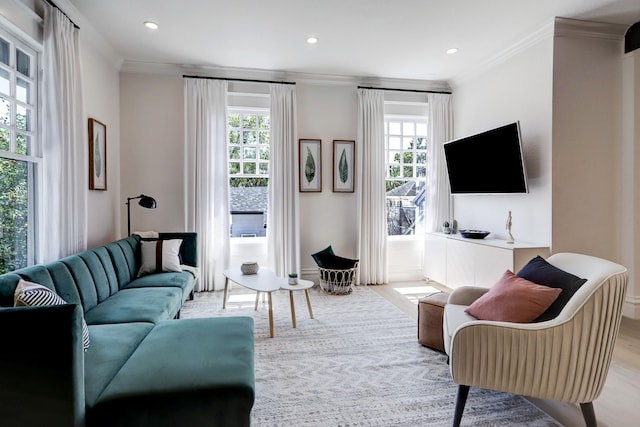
pixel 404 39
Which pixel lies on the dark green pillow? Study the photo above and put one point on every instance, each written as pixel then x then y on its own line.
pixel 322 257
pixel 340 263
pixel 539 271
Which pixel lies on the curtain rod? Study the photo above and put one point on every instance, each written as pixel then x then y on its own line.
pixel 404 90
pixel 62 11
pixel 184 76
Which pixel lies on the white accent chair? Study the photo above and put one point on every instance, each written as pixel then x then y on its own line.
pixel 566 358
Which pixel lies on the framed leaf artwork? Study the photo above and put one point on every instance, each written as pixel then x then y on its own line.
pixel 344 154
pixel 97 155
pixel 310 158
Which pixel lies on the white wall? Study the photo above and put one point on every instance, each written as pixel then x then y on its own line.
pixel 151 162
pixel 517 88
pixel 151 152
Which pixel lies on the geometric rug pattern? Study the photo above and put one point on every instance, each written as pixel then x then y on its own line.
pixel 357 363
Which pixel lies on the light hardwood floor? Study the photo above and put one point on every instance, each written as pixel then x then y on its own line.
pixel 619 403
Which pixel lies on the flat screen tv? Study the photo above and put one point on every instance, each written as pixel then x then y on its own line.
pixel 489 162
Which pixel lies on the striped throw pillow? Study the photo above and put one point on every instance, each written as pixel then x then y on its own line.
pixel 29 294
pixel 158 256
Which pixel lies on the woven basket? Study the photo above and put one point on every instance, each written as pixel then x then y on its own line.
pixel 337 282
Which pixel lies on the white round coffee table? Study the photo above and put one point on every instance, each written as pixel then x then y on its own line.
pixel 265 280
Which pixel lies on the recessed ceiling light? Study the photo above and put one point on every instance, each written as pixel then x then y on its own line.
pixel 452 50
pixel 151 25
pixel 312 40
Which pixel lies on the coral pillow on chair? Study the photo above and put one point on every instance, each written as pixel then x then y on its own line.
pixel 513 299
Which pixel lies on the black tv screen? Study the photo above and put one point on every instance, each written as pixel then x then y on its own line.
pixel 490 162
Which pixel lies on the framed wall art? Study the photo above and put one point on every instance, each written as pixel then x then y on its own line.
pixel 310 153
pixel 344 156
pixel 97 155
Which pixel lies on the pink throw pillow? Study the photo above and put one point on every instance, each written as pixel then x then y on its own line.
pixel 513 299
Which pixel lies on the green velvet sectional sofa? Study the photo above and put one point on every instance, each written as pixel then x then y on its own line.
pixel 143 366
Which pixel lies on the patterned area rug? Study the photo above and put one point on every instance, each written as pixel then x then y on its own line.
pixel 358 363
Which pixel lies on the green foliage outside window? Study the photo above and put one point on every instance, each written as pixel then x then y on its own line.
pixel 13 214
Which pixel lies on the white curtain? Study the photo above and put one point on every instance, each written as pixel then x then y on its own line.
pixel 206 180
pixel 372 212
pixel 63 219
pixel 438 209
pixel 283 226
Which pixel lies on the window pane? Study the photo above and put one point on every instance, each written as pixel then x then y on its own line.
pixel 249 137
pixel 407 143
pixel 408 171
pixel 23 91
pixel 394 143
pixel 249 122
pixel 421 158
pixel 234 120
pixel 23 118
pixel 265 122
pixel 265 138
pixel 14 214
pixel 5 111
pixel 408 128
pixel 249 168
pixel 264 168
pixel 23 63
pixel 421 129
pixel 234 137
pixel 394 128
pixel 4 51
pixel 421 171
pixel 264 153
pixel 234 152
pixel 5 82
pixel 234 168
pixel 249 153
pixel 23 144
pixel 407 157
pixel 5 139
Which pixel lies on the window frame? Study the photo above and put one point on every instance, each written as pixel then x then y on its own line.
pixel 415 119
pixel 33 158
pixel 246 111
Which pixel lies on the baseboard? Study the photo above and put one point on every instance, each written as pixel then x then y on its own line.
pixel 631 307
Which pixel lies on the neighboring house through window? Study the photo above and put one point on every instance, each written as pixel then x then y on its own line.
pixel 248 142
pixel 406 163
pixel 20 154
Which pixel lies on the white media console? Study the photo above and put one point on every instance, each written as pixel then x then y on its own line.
pixel 454 261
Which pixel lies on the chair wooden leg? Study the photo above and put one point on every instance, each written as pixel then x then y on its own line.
pixel 461 400
pixel 589 414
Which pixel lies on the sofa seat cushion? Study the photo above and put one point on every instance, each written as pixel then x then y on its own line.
pixel 137 305
pixel 183 280
pixel 192 372
pixel 111 347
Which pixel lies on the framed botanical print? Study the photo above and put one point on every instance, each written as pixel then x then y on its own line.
pixel 97 155
pixel 343 166
pixel 310 153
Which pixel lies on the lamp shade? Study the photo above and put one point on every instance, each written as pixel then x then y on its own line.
pixel 147 202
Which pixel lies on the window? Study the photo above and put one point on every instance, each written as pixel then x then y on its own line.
pixel 19 152
pixel 406 162
pixel 248 142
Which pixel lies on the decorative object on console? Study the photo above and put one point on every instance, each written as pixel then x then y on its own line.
pixel 474 234
pixel 344 155
pixel 145 201
pixel 310 161
pixel 97 155
pixel 445 228
pixel 249 268
pixel 511 239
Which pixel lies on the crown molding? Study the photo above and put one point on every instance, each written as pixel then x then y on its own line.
pixel 543 33
pixel 158 68
pixel 566 27
pixel 558 27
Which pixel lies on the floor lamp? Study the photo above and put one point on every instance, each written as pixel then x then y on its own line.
pixel 145 201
